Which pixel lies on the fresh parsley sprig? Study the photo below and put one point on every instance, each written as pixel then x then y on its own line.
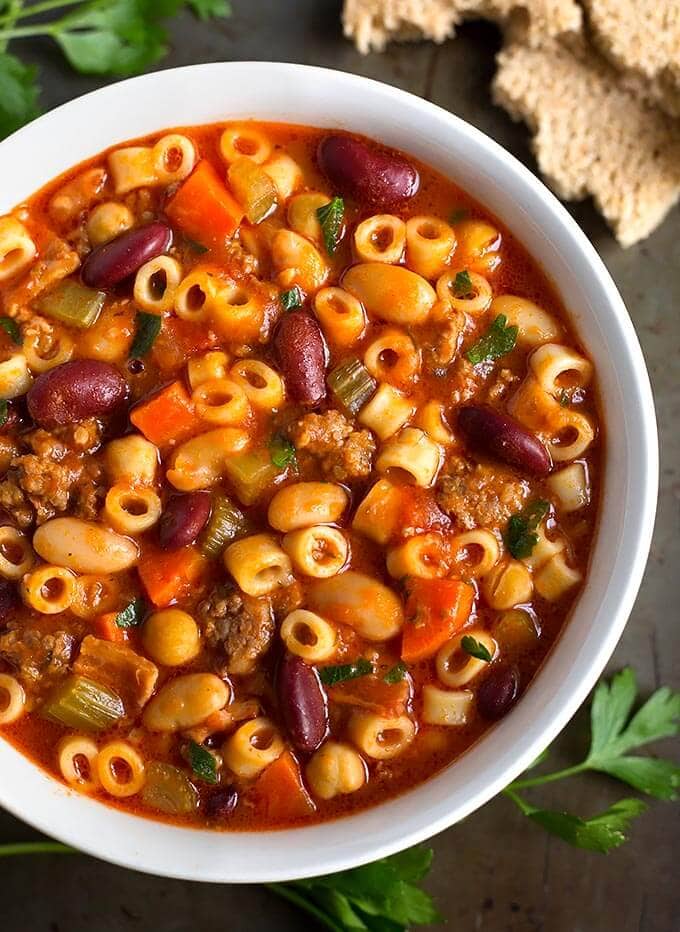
pixel 520 535
pixel 498 340
pixel 102 37
pixel 330 217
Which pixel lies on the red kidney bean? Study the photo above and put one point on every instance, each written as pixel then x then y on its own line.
pixel 220 804
pixel 9 599
pixel 498 692
pixel 183 519
pixel 303 703
pixel 301 352
pixel 504 438
pixel 376 177
pixel 110 264
pixel 74 391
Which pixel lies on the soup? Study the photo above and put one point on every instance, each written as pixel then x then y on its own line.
pixel 299 474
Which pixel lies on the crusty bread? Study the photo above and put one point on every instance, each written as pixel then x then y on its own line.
pixel 642 39
pixel 592 136
pixel 374 23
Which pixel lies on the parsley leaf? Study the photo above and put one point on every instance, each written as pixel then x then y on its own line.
pixel 133 615
pixel 330 217
pixel 345 671
pixel 4 411
pixel 396 673
pixel 475 648
pixel 291 299
pixel 197 247
pixel 202 762
pixel 18 93
pixel 11 329
pixel 204 9
pixel 564 399
pixel 599 833
pixel 148 326
pixel 282 452
pixel 520 537
pixel 462 284
pixel 496 342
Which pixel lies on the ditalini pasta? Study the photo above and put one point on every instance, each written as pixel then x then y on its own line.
pixel 291 467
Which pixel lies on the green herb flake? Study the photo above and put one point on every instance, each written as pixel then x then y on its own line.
pixel 460 213
pixel 396 673
pixel 11 329
pixel 4 412
pixel 202 762
pixel 475 648
pixel 291 299
pixel 564 398
pixel 330 676
pixel 148 326
pixel 330 217
pixel 498 340
pixel 133 615
pixel 520 537
pixel 282 452
pixel 462 284
pixel 195 246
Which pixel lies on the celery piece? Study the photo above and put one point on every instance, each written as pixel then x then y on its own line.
pixel 226 522
pixel 168 789
pixel 352 384
pixel 73 304
pixel 253 188
pixel 83 704
pixel 251 474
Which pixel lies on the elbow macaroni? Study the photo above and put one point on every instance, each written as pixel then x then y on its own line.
pixel 319 551
pixel 258 564
pixel 387 411
pixel 430 243
pixel 17 249
pixel 380 239
pixel 49 589
pixel 412 452
pixel 308 635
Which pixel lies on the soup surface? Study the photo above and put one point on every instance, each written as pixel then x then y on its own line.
pixel 299 469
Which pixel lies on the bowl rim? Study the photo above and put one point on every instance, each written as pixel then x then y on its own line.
pixel 196 854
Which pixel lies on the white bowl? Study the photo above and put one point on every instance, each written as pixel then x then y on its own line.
pixel 314 96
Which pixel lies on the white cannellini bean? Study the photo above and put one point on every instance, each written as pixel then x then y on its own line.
pixel 84 546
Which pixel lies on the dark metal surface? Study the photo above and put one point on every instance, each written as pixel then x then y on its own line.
pixel 496 872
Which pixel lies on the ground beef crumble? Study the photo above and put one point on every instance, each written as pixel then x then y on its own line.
pixel 242 625
pixel 343 452
pixel 476 495
pixel 37 658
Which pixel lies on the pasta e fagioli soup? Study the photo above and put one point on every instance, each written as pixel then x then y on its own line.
pixel 299 474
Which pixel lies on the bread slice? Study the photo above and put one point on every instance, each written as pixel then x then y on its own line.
pixel 374 23
pixel 642 39
pixel 592 136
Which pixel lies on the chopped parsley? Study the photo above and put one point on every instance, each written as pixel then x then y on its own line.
pixel 345 671
pixel 197 247
pixel 462 284
pixel 133 615
pixel 396 673
pixel 496 342
pixel 282 452
pixel 291 299
pixel 520 536
pixel 148 326
pixel 11 329
pixel 330 217
pixel 475 648
pixel 202 762
pixel 564 398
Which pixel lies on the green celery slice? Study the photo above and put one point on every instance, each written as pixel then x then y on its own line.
pixel 73 304
pixel 80 703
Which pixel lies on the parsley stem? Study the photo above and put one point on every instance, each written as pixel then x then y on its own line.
pixel 17 11
pixel 524 806
pixel 35 847
pixel 546 778
pixel 12 15
pixel 288 892
pixel 26 32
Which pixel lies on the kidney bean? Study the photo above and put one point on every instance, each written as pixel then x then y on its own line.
pixel 9 599
pixel 303 703
pixel 183 519
pixel 378 178
pixel 115 261
pixel 301 353
pixel 498 692
pixel 504 438
pixel 74 391
pixel 220 804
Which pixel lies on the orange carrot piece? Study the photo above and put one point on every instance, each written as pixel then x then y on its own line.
pixel 203 208
pixel 373 694
pixel 105 627
pixel 280 792
pixel 168 416
pixel 170 576
pixel 438 608
pixel 178 340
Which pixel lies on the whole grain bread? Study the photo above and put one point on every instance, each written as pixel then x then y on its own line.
pixel 374 23
pixel 641 38
pixel 593 136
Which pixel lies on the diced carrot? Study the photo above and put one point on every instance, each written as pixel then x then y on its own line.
pixel 419 511
pixel 105 627
pixel 280 792
pixel 203 208
pixel 168 416
pixel 178 340
pixel 170 576
pixel 438 608
pixel 373 694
